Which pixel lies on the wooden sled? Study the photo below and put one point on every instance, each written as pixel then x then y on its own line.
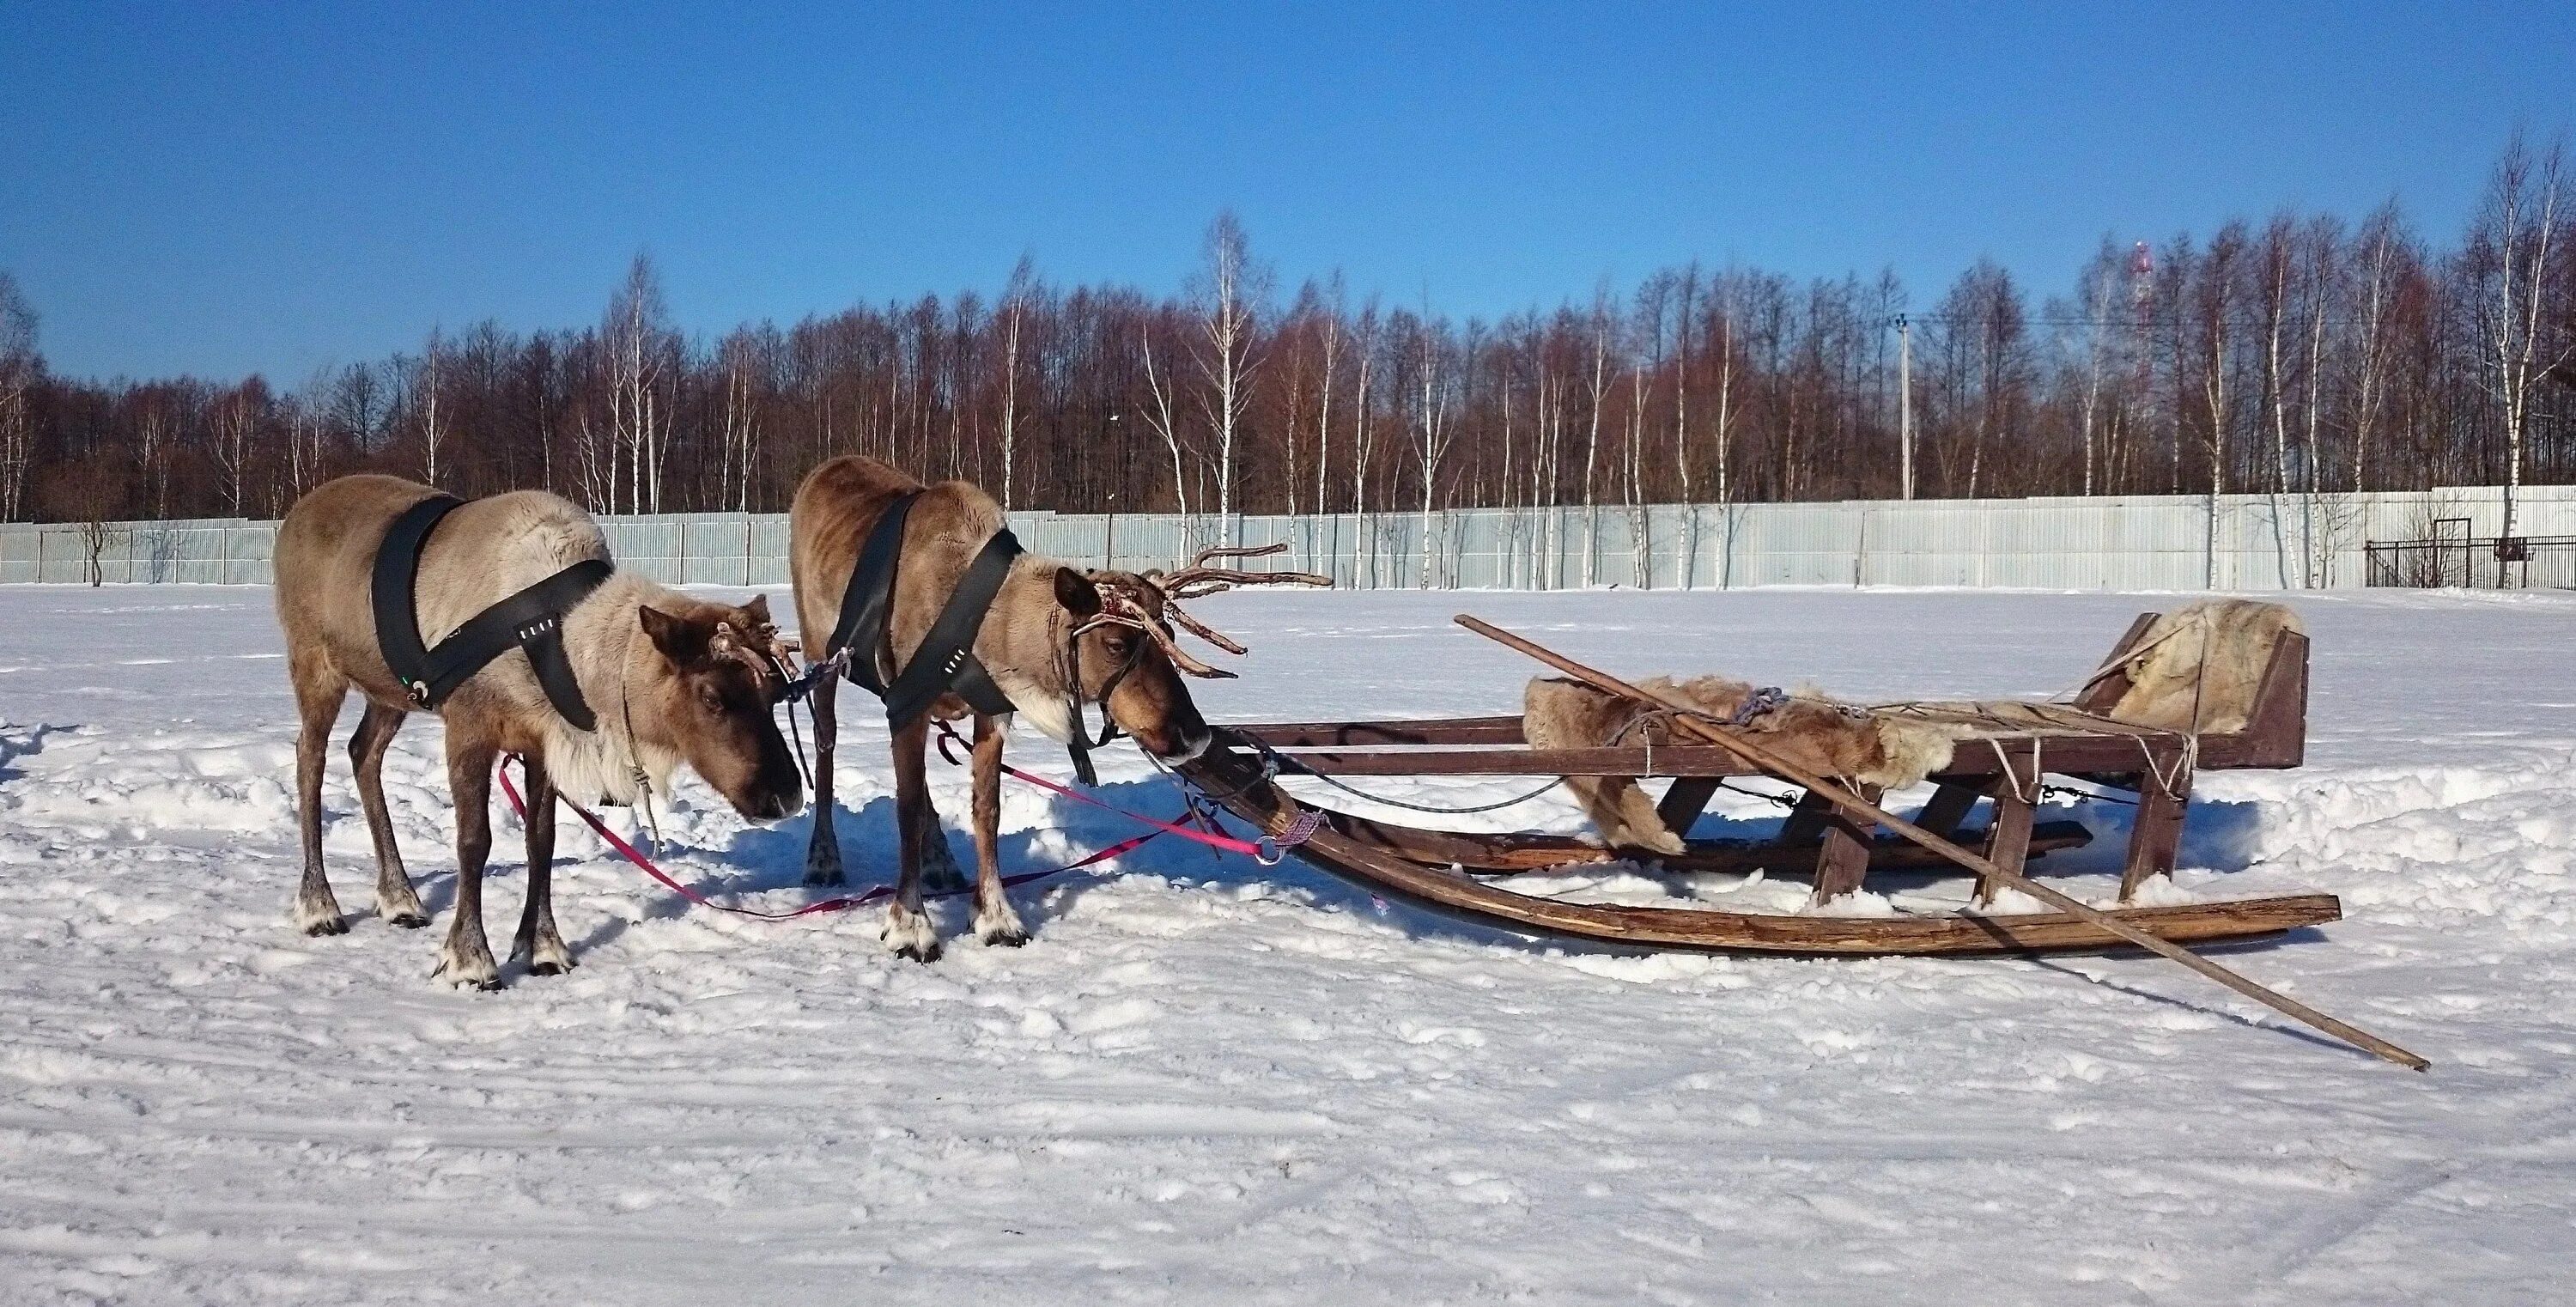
pixel 2012 748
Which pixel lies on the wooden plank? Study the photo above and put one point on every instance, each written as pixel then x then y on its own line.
pixel 1516 852
pixel 1683 803
pixel 2065 754
pixel 2156 837
pixel 1437 730
pixel 2016 795
pixel 1680 760
pixel 2112 680
pixel 1842 857
pixel 2276 732
pixel 1807 821
pixel 1949 806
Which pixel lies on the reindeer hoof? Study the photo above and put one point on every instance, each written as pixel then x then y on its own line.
pixel 408 920
pixel 327 926
pixel 911 935
pixel 548 968
pixel 997 924
pixel 825 877
pixel 467 970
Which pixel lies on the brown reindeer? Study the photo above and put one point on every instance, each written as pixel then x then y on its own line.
pixel 1053 636
pixel 667 677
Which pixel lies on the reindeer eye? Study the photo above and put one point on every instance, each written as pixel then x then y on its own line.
pixel 710 698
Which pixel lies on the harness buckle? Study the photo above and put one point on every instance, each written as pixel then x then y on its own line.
pixel 418 692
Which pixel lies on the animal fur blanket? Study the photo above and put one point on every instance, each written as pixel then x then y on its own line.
pixel 1809 729
pixel 2200 667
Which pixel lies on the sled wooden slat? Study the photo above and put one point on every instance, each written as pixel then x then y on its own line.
pixel 1440 730
pixel 1517 853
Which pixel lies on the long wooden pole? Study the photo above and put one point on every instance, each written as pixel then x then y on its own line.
pixel 1769 761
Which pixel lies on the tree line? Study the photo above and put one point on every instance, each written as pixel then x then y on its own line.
pixel 2305 354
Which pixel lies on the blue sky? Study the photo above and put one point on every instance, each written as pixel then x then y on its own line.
pixel 219 189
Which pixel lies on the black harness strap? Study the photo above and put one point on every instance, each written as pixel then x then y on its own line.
pixel 397 570
pixel 532 620
pixel 945 662
pixel 862 628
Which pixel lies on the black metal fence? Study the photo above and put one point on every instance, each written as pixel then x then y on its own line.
pixel 2491 563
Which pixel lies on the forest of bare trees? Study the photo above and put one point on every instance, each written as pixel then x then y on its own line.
pixel 2303 353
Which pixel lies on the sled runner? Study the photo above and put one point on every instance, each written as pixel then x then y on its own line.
pixel 2004 754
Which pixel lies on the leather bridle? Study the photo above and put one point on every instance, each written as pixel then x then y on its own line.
pixel 1079 740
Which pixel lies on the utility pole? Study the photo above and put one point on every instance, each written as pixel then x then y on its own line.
pixel 1905 401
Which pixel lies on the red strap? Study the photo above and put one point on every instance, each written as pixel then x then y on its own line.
pixel 636 856
pixel 1250 849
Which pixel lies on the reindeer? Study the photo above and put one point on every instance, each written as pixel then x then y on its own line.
pixel 1053 640
pixel 669 679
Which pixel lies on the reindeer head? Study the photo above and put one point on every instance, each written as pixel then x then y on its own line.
pixel 1121 652
pixel 722 669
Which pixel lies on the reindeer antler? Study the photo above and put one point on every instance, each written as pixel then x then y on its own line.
pixel 1119 604
pixel 756 649
pixel 1197 580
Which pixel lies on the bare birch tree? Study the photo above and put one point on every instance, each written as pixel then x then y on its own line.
pixel 19 364
pixel 1016 298
pixel 2379 244
pixel 1227 290
pixel 237 418
pixel 425 402
pixel 1600 396
pixel 637 339
pixel 1431 429
pixel 1164 417
pixel 2511 248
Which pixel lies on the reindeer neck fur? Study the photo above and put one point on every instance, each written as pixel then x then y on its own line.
pixel 1019 644
pixel 623 677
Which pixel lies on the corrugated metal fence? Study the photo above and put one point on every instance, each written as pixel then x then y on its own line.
pixel 2236 542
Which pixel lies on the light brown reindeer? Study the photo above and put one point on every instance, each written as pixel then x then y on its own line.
pixel 1054 640
pixel 669 679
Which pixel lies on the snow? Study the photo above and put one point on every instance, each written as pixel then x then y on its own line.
pixel 1208 1081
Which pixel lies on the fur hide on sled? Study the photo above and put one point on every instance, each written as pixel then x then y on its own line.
pixel 2199 668
pixel 1809 729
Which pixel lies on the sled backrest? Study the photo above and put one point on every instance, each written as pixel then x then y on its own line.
pixel 2276 731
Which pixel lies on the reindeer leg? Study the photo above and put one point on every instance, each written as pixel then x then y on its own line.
pixel 908 930
pixel 395 900
pixel 995 922
pixel 823 851
pixel 940 873
pixel 319 691
pixel 466 959
pixel 538 941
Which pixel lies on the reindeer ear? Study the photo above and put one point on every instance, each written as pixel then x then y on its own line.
pixel 682 641
pixel 758 611
pixel 1076 592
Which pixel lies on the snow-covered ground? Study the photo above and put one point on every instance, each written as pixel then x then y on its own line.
pixel 1205 1081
